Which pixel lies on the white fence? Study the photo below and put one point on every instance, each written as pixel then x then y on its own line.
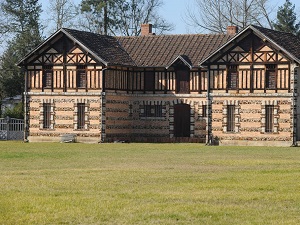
pixel 11 129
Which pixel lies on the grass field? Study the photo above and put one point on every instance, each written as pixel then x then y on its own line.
pixel 43 183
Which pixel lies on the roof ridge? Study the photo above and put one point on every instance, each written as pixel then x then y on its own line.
pixel 271 30
pixel 171 35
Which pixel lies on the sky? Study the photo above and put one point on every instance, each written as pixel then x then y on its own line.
pixel 174 11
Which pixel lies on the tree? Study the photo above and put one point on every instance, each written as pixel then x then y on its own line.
pixel 131 14
pixel 287 19
pixel 119 17
pixel 215 16
pixel 97 14
pixel 12 81
pixel 24 28
pixel 62 13
pixel 16 112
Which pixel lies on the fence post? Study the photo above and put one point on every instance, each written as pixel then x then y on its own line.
pixel 7 127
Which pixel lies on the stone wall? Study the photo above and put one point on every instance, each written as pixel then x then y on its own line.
pixel 250 121
pixel 126 119
pixel 64 116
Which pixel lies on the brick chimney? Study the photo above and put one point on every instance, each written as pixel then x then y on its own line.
pixel 146 29
pixel 232 30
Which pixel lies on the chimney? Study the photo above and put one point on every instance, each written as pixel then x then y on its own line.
pixel 232 30
pixel 146 29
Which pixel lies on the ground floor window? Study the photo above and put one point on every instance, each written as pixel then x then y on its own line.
pixel 80 116
pixel 269 117
pixel 46 115
pixel 230 118
pixel 152 111
pixel 204 110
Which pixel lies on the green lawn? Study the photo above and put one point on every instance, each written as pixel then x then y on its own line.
pixel 43 183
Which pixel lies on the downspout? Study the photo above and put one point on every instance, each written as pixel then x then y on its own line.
pixel 103 107
pixel 25 105
pixel 209 109
pixel 295 104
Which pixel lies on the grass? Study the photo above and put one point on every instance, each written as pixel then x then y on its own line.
pixel 53 183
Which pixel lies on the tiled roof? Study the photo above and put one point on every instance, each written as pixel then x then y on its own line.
pixel 287 41
pixel 105 47
pixel 162 50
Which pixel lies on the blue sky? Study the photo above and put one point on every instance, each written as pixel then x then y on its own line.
pixel 174 11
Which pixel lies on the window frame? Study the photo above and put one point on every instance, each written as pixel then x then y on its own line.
pixel 204 110
pixel 81 76
pixel 232 84
pixel 48 76
pixel 230 126
pixel 152 111
pixel 183 78
pixel 269 118
pixel 81 116
pixel 46 115
pixel 271 76
pixel 149 80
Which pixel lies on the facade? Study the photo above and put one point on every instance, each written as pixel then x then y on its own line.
pixel 234 89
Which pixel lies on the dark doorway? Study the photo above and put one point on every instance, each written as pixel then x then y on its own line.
pixel 183 81
pixel 182 120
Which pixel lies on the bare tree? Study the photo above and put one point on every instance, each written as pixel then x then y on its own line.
pixel 63 13
pixel 214 16
pixel 121 17
pixel 133 13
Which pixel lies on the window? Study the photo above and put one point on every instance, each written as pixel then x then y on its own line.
pixel 230 118
pixel 152 111
pixel 269 118
pixel 47 115
pixel 204 109
pixel 80 116
pixel 232 75
pixel 47 77
pixel 81 76
pixel 270 76
pixel 183 81
pixel 149 81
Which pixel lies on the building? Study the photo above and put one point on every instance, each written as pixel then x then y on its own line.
pixel 234 89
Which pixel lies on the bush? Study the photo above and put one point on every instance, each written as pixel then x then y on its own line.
pixel 16 112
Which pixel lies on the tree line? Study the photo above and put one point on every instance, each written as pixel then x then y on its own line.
pixel 22 27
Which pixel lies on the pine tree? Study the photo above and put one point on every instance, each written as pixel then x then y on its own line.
pixel 99 13
pixel 24 28
pixel 287 19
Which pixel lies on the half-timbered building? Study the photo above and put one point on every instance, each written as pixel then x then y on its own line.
pixel 237 88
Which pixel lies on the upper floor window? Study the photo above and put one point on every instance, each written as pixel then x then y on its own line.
pixel 232 75
pixel 270 76
pixel 149 80
pixel 81 76
pixel 48 76
pixel 182 81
